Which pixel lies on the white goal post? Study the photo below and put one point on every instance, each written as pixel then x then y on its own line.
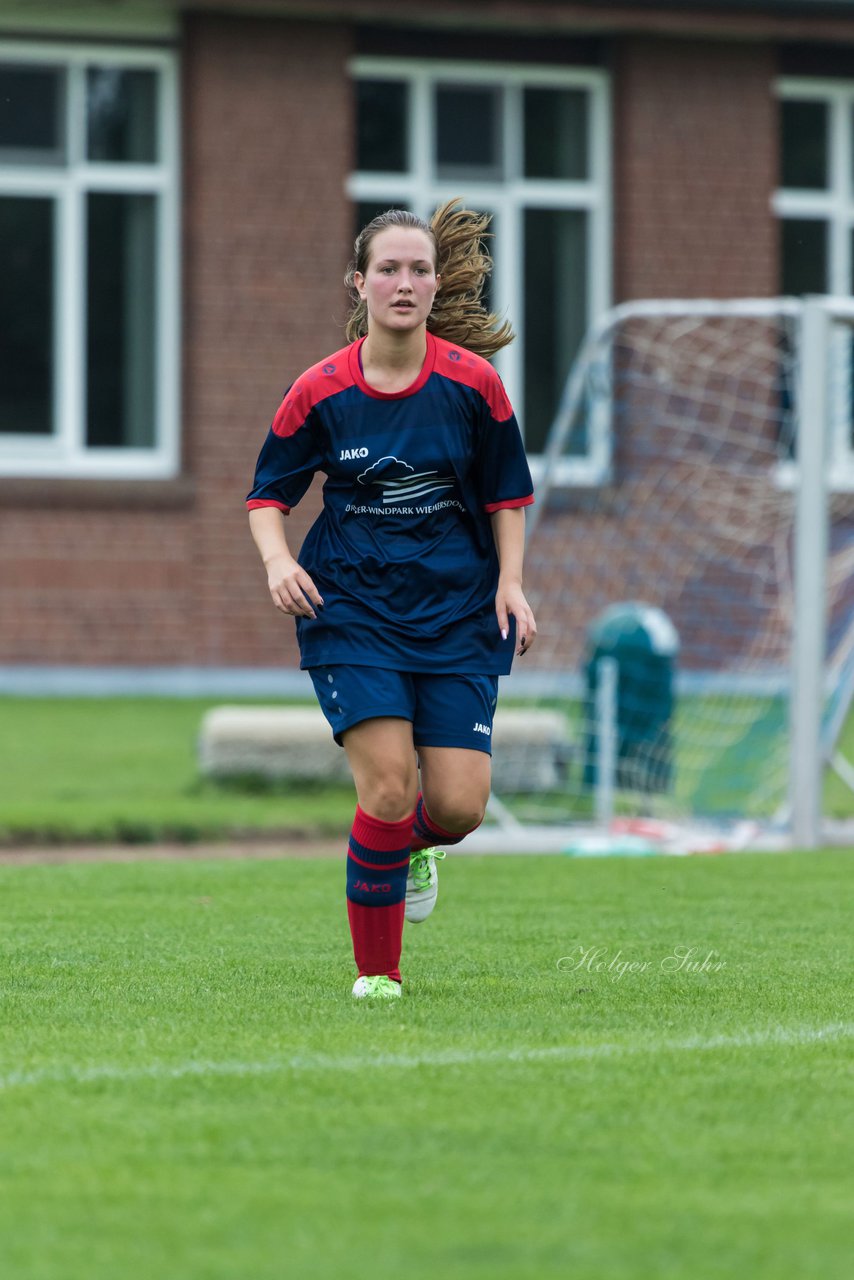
pixel 693 564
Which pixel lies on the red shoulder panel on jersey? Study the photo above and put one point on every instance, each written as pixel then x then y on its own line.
pixel 322 380
pixel 473 371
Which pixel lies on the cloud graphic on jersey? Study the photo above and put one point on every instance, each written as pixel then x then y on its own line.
pixel 401 483
pixel 384 469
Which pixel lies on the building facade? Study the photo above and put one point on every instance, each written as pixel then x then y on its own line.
pixel 180 184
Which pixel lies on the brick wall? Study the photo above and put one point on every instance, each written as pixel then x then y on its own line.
pixel 267 142
pixel 95 573
pixel 89 587
pixel 695 163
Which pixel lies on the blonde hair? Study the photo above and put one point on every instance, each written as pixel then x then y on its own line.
pixel 462 261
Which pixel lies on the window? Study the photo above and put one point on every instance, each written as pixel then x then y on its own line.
pixel 88 261
pixel 816 206
pixel 530 146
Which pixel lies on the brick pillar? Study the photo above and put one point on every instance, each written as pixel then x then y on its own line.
pixel 267 146
pixel 695 164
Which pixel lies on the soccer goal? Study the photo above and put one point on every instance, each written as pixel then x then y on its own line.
pixel 691 563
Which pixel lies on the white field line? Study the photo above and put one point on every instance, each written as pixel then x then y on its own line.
pixel 778 1037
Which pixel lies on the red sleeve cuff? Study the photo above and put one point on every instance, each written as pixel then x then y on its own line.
pixel 254 503
pixel 508 503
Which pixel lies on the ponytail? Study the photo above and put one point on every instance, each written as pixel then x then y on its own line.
pixel 462 261
pixel 464 264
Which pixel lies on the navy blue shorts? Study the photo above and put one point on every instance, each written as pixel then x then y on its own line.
pixel 445 710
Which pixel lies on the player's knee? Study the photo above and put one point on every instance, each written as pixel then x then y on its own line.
pixel 390 796
pixel 457 813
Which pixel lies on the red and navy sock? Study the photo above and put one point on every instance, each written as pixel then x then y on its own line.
pixel 426 833
pixel 377 866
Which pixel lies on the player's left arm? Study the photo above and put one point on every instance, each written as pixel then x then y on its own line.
pixel 508 530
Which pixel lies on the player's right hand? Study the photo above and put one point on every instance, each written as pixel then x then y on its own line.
pixel 291 588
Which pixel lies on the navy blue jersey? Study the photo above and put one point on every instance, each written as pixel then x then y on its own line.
pixel 402 552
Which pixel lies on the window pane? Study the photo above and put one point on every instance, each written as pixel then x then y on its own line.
pixel 804 245
pixel 556 133
pixel 555 314
pixel 803 133
pixel 120 311
pixel 367 210
pixel 26 315
pixel 121 115
pixel 32 104
pixel 381 125
pixel 468 132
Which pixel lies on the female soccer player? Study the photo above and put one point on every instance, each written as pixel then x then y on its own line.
pixel 408 589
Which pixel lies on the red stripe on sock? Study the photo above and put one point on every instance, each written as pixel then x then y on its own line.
pixel 377 934
pixel 385 837
pixel 377 866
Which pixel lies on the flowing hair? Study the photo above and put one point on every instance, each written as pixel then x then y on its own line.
pixel 462 261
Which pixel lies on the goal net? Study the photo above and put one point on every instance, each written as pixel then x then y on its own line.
pixel 661 565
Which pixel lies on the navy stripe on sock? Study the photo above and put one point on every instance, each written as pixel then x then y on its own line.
pixel 376 858
pixel 376 886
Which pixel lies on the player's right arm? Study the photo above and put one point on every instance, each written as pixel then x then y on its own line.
pixel 291 588
pixel 292 452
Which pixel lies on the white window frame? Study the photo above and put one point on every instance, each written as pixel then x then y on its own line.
pixel 65 453
pixel 834 205
pixel 507 199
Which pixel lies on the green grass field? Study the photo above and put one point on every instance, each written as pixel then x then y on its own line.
pixel 126 769
pixel 188 1091
pixel 109 769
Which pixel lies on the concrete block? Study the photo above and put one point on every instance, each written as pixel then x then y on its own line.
pixel 270 742
pixel 529 746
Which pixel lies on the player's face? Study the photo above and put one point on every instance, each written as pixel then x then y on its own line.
pixel 400 282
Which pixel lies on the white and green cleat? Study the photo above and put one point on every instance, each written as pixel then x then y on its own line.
pixel 422 884
pixel 376 987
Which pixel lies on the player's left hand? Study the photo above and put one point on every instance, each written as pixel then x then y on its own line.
pixel 510 602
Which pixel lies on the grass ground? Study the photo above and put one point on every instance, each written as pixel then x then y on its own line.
pixel 126 769
pixel 188 1091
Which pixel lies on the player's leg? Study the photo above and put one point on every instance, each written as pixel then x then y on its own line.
pixel 451 804
pixel 453 732
pixel 371 713
pixel 454 790
pixel 382 758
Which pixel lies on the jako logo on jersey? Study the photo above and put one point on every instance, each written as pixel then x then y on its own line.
pixel 352 453
pixel 481 728
pixel 372 888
